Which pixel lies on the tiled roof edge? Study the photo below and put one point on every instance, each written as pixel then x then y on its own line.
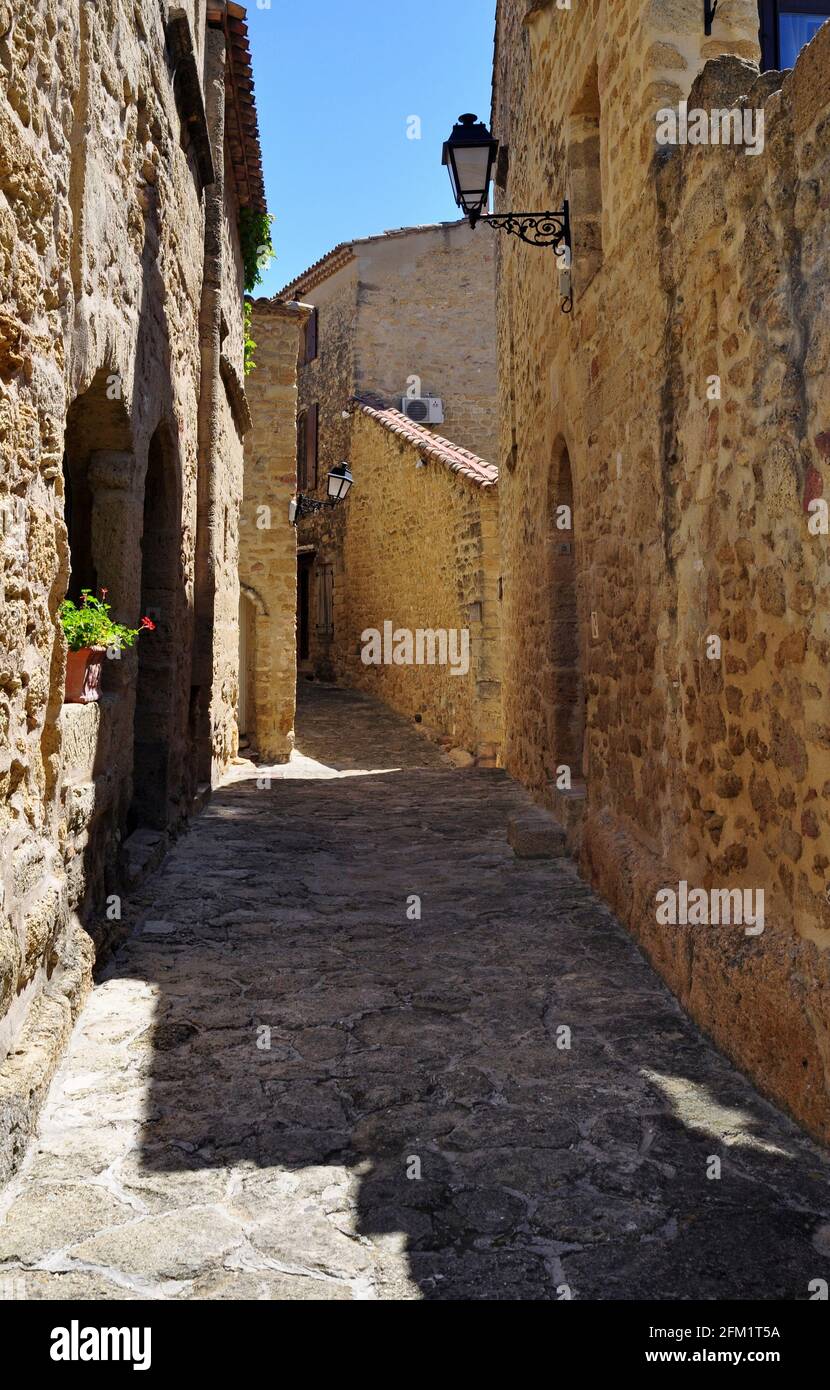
pixel 433 446
pixel 324 267
pixel 283 308
pixel 327 265
pixel 241 123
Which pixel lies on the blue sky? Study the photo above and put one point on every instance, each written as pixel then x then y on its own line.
pixel 336 81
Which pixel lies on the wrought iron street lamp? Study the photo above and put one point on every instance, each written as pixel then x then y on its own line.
pixel 469 156
pixel 339 481
pixel 338 484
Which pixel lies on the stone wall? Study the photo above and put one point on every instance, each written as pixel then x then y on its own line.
pixel 268 550
pixel 110 391
pixel 426 309
pixel 682 409
pixel 222 450
pixel 420 550
pixel 328 381
pixel 414 304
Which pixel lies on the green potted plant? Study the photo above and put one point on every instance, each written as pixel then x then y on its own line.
pixel 90 632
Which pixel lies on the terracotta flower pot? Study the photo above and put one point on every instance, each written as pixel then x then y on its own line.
pixel 83 675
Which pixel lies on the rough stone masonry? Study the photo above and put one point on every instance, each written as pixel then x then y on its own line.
pixel 671 648
pixel 268 546
pixel 406 312
pixel 420 553
pixel 122 412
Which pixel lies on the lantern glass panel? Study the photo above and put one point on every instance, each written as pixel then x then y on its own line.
pixel 339 482
pixel 472 167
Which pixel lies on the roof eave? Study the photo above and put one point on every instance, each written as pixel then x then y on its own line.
pixel 454 457
pixel 241 123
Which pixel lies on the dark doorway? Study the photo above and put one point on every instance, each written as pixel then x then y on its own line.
pixel 157 650
pixel 304 567
pixel 96 422
pixel 246 706
pixel 77 512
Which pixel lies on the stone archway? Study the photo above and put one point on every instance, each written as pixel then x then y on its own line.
pixel 97 444
pixel 92 775
pixel 565 674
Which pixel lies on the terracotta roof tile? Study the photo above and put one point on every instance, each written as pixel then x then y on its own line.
pixel 327 265
pixel 432 446
pixel 241 125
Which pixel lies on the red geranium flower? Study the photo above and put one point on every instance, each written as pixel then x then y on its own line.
pixel 149 624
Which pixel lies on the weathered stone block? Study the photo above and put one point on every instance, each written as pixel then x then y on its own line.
pixel 536 834
pixel 141 853
pixel 29 865
pixel 80 806
pixel 41 924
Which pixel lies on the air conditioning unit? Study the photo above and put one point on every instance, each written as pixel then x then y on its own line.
pixel 423 410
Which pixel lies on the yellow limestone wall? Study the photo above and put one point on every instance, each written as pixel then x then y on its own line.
pixel 703 762
pixel 421 551
pixel 102 254
pixel 268 548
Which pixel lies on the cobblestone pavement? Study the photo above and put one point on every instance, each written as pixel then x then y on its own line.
pixel 176 1158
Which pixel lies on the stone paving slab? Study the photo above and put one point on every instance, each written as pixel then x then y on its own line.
pixel 411 1125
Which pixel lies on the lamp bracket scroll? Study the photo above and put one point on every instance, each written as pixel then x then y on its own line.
pixel 470 155
pixel 540 229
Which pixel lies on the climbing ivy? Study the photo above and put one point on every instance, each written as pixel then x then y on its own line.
pixel 249 342
pixel 257 251
pixel 257 246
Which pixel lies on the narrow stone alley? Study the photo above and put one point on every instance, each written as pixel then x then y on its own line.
pixel 413 1125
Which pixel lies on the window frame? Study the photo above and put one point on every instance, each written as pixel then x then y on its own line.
pixel 311 337
pixel 313 446
pixel 325 600
pixel 308 448
pixel 302 449
pixel 769 13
